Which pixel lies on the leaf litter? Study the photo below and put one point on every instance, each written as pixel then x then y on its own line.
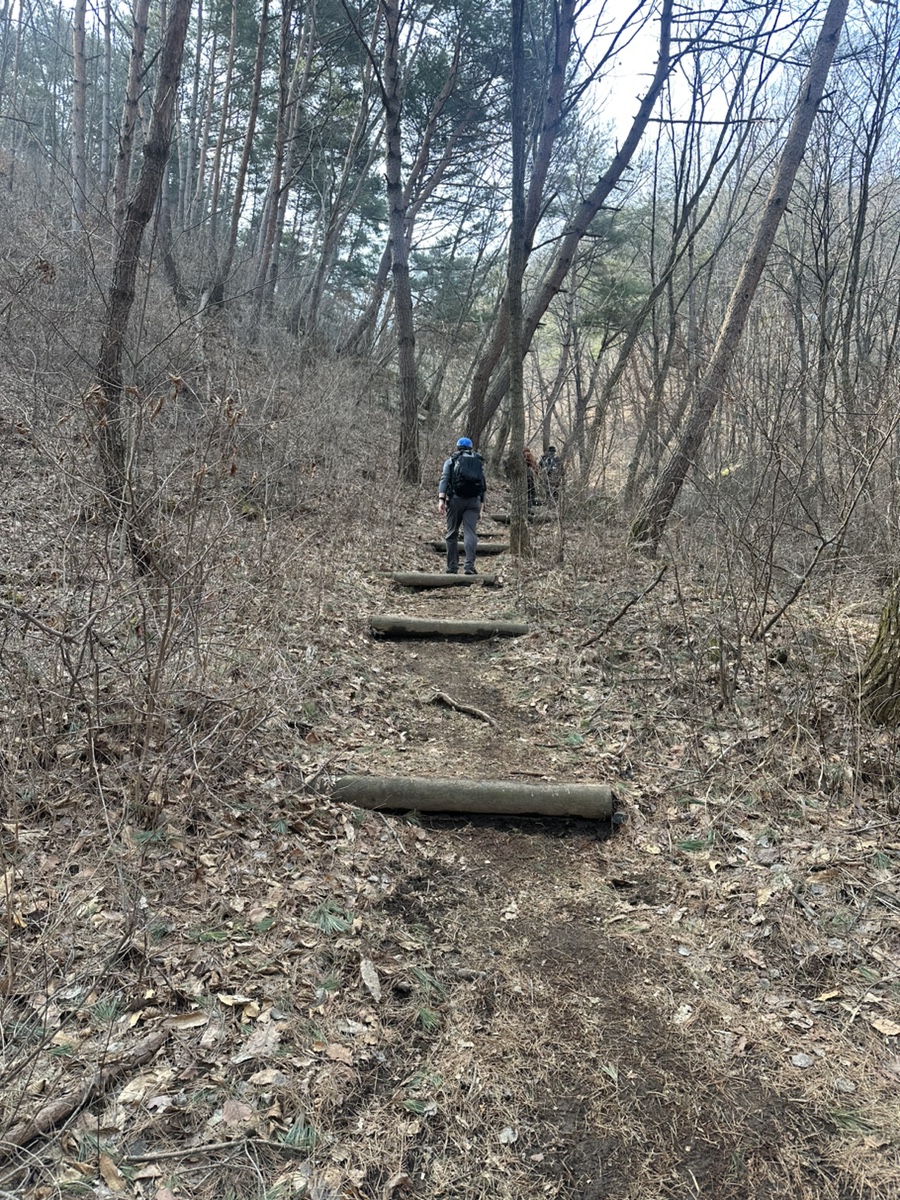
pixel 355 1004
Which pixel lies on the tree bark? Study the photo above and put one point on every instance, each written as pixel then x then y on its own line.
pixel 481 411
pixel 593 801
pixel 270 210
pixel 650 523
pixel 483 547
pixel 79 102
pixel 880 676
pixel 130 111
pixel 409 466
pixel 550 125
pixel 195 119
pixel 137 215
pixel 240 180
pixel 217 168
pixel 518 499
pixel 106 103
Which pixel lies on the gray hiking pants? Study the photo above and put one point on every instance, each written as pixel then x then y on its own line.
pixel 462 510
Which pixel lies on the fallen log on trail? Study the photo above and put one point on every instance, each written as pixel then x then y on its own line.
pixel 483 547
pixel 501 797
pixel 424 579
pixel 422 627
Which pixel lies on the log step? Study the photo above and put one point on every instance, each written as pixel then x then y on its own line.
pixel 535 518
pixel 506 798
pixel 400 627
pixel 483 547
pixel 424 579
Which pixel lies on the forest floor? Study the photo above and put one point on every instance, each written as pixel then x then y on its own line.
pixel 225 985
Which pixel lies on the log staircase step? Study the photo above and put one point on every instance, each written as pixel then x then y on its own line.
pixel 536 518
pixel 425 579
pixel 483 547
pixel 411 627
pixel 502 797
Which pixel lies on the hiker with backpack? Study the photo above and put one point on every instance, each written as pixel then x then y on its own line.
pixel 552 472
pixel 461 498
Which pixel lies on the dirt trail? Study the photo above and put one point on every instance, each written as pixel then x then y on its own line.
pixel 603 1032
pixel 496 676
pixel 378 1007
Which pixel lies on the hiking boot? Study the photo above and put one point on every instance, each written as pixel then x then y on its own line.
pixel 454 571
pixel 470 571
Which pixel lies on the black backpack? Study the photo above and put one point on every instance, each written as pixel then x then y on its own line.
pixel 467 475
pixel 552 466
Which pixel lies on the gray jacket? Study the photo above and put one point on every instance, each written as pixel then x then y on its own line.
pixel 444 485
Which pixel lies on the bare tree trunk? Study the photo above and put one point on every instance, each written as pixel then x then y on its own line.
pixel 421 183
pixel 880 679
pixel 194 123
pixel 167 247
pixel 130 111
pixel 650 523
pixel 7 46
pixel 106 109
pixel 551 120
pixel 403 310
pixel 482 410
pixel 203 149
pixel 240 182
pixel 270 212
pixel 79 101
pixel 298 88
pixel 137 215
pixel 220 140
pixel 518 508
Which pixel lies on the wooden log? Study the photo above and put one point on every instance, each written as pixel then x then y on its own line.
pixel 502 797
pixel 423 579
pixel 422 627
pixel 483 547
pixel 535 518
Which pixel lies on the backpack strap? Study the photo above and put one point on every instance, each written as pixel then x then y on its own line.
pixel 454 457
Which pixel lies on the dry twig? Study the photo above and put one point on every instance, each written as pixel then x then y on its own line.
pixel 60 1110
pixel 457 706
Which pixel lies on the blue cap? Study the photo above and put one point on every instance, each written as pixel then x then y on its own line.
pixel 467 442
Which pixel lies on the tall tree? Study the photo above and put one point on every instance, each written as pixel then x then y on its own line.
pixel 518 527
pixel 240 178
pixel 483 404
pixel 650 523
pixel 551 115
pixel 106 101
pixel 130 110
pixel 137 214
pixel 269 223
pixel 79 105
pixel 392 96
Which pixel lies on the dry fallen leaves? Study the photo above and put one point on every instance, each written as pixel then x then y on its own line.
pixel 112 1176
pixel 370 978
pixel 884 1025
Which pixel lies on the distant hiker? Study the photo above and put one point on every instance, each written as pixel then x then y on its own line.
pixel 552 473
pixel 531 477
pixel 461 497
